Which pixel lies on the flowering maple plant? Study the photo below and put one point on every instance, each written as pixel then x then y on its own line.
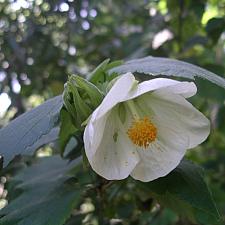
pixel 113 124
pixel 143 130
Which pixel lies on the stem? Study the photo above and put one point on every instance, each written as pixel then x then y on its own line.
pixel 100 206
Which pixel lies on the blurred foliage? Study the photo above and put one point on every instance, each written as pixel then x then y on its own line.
pixel 41 42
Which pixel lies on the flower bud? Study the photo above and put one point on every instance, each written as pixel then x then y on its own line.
pixel 81 98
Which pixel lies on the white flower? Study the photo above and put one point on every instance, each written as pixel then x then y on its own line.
pixel 143 130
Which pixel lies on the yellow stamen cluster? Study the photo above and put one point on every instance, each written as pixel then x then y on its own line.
pixel 142 132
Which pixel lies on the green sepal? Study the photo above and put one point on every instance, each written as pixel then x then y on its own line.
pixel 81 98
pixel 94 94
pixel 100 73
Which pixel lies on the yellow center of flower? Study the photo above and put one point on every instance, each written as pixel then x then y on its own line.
pixel 142 132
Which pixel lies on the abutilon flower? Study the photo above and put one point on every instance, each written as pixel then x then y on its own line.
pixel 143 130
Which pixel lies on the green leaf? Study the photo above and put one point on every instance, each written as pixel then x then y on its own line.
pixel 185 191
pixel 67 129
pixel 157 66
pixel 23 133
pixel 44 194
pixel 45 139
pixel 98 72
pixel 217 94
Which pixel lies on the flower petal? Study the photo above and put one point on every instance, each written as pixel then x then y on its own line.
pixel 186 89
pixel 158 160
pixel 116 94
pixel 174 112
pixel 98 118
pixel 93 133
pixel 114 157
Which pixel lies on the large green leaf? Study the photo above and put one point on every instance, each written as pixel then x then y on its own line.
pixel 41 194
pixel 185 191
pixel 52 136
pixel 23 133
pixel 156 66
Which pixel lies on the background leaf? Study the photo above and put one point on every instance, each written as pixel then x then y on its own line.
pixel 157 66
pixel 23 133
pixel 45 139
pixel 43 192
pixel 185 191
pixel 215 28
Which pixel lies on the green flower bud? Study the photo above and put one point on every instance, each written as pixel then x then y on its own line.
pixel 81 98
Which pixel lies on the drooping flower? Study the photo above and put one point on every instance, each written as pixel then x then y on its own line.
pixel 143 130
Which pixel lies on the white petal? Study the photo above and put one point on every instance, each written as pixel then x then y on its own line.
pixel 114 157
pixel 124 90
pixel 186 89
pixel 117 94
pixel 98 118
pixel 174 112
pixel 158 160
pixel 93 133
